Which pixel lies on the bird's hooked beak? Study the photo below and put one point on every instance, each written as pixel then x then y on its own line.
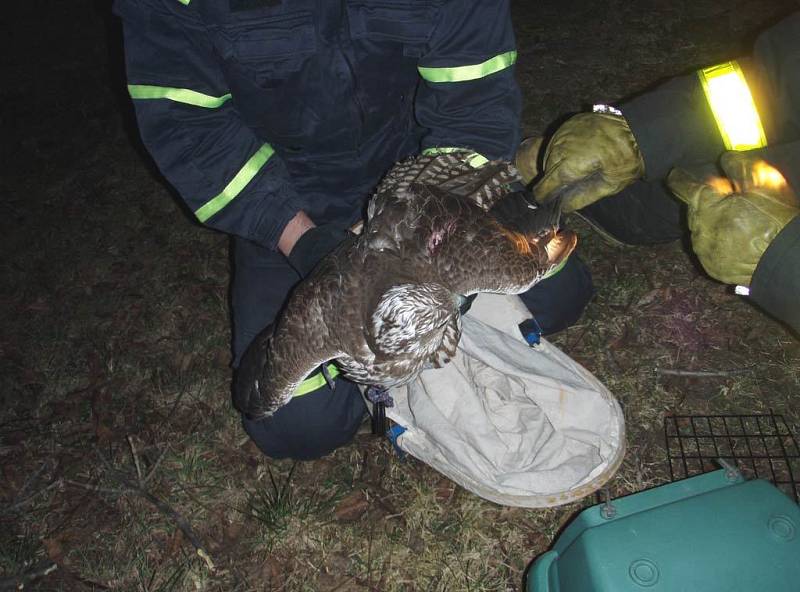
pixel 554 244
pixel 558 244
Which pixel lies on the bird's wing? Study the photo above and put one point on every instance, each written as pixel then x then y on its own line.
pixel 484 185
pixel 454 173
pixel 450 340
pixel 420 201
pixel 306 336
pixel 486 255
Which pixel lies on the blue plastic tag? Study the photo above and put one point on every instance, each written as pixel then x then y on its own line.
pixel 393 433
pixel 531 331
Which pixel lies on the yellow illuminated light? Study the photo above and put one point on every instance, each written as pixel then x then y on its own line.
pixel 765 175
pixel 733 107
pixel 762 176
pixel 721 185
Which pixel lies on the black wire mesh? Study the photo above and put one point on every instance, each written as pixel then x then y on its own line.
pixel 762 446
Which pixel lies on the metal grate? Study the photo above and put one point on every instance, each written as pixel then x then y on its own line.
pixel 762 446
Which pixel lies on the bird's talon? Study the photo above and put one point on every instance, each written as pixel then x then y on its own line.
pixel 378 394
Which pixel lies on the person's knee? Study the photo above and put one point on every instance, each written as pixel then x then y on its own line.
pixel 312 425
pixel 558 301
pixel 262 279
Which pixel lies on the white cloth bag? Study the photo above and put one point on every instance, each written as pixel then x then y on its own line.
pixel 516 425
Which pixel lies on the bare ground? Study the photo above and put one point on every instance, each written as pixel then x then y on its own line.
pixel 119 450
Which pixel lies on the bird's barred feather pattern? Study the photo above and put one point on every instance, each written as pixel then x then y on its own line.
pixel 384 305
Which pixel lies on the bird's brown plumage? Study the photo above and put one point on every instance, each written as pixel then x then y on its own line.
pixel 384 304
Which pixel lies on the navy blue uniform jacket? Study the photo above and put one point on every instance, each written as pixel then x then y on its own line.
pixel 256 109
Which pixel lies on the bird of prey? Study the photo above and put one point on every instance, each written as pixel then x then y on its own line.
pixel 385 304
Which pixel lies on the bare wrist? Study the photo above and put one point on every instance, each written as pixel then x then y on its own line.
pixel 294 229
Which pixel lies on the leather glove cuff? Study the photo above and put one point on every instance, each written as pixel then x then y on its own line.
pixel 673 126
pixel 313 246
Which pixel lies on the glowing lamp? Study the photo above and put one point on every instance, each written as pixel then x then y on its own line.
pixel 765 175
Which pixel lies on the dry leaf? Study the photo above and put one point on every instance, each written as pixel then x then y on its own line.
pixel 332 583
pixel 444 491
pixel 352 507
pixel 273 574
pixel 174 543
pixel 54 550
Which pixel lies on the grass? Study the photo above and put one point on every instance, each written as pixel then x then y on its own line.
pixel 16 551
pixel 114 309
pixel 274 505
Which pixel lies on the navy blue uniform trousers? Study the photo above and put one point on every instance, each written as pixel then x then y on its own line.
pixel 314 424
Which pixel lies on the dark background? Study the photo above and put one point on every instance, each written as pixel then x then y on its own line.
pixel 114 342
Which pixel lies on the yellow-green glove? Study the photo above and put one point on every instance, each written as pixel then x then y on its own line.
pixel 594 152
pixel 732 226
pixel 527 158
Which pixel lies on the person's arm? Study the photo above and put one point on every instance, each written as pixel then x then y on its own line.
pixel 229 179
pixel 671 125
pixel 748 233
pixel 776 282
pixel 468 97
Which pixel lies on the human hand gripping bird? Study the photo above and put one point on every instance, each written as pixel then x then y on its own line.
pixel 385 304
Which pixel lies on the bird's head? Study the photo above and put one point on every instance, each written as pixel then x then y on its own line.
pixel 535 230
pixel 412 318
pixel 555 245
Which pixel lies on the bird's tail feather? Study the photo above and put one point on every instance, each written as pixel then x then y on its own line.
pixel 247 396
pixel 453 173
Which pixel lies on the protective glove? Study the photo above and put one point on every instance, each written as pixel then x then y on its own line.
pixel 527 158
pixel 313 246
pixel 733 225
pixel 595 155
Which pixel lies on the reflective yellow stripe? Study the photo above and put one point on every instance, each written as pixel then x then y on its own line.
pixel 185 2
pixel 315 381
pixel 239 182
pixel 472 72
pixel 733 106
pixel 474 159
pixel 179 95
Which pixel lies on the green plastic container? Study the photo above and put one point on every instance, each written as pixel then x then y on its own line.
pixel 711 533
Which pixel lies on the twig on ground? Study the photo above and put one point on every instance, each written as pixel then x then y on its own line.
pixel 18 582
pixel 33 478
pixel 128 487
pixel 700 373
pixel 21 502
pixel 182 523
pixel 369 552
pixel 575 342
pixel 135 460
pixel 97 488
pixel 155 465
pixel 22 498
